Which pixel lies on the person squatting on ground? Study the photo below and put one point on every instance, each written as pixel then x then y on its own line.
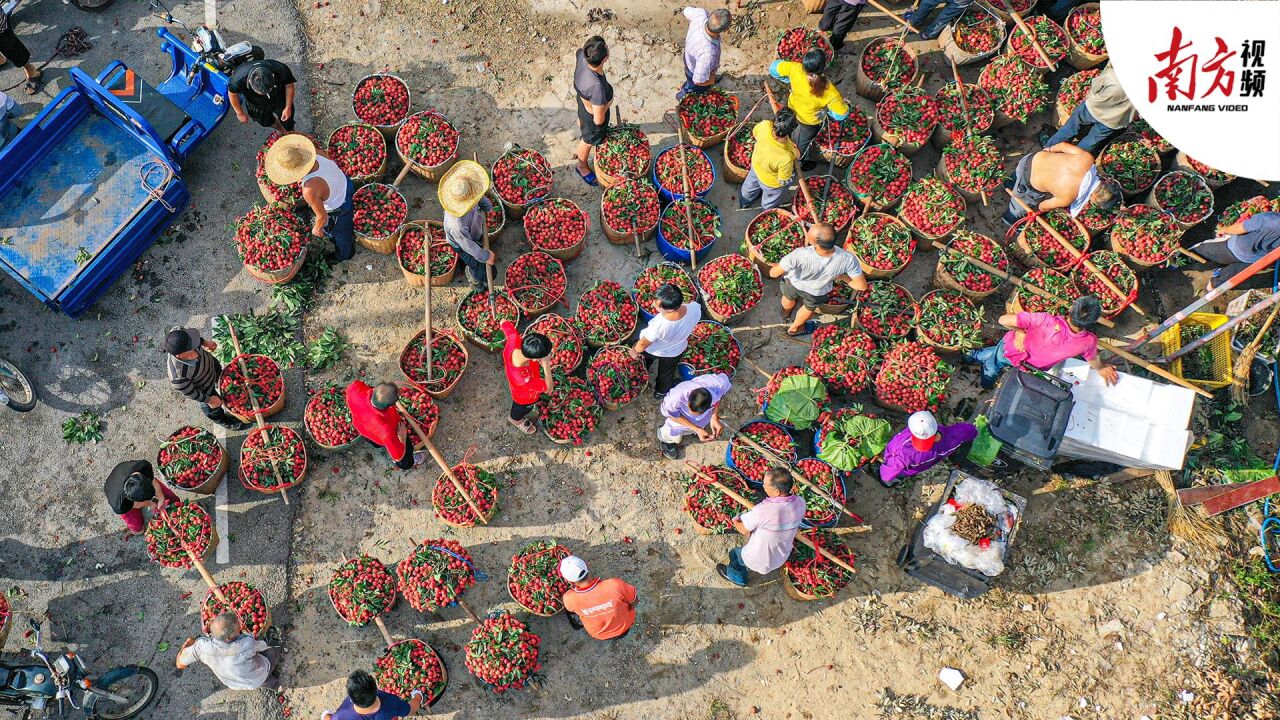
pixel 770 528
pixel 1042 340
pixel 809 273
pixel 838 17
pixel 702 49
pixel 365 701
pixel 375 416
pixel 773 162
pixel 812 95
pixel 527 373
pixel 263 90
pixel 605 609
pixel 325 188
pixel 132 487
pixel 194 372
pixel 239 661
pixel 692 408
pixel 1060 176
pixel 463 196
pixel 595 95
pixel 666 336
pixel 1241 244
pixel 919 446
pixel 1105 112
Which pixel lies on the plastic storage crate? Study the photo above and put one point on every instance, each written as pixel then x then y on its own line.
pixel 1029 414
pixel 1220 347
pixel 928 567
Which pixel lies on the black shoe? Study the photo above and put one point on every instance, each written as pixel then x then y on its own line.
pixel 658 395
pixel 723 571
pixel 670 451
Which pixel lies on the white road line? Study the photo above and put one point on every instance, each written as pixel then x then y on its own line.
pixel 223 554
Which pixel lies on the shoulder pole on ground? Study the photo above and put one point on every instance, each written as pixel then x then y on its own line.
pixel 1114 348
pixel 897 18
pixel 964 110
pixel 426 305
pixel 1236 280
pixel 195 560
pixel 1076 254
pixel 488 268
pixel 697 472
pixel 799 477
pixel 444 466
pixel 253 402
pixel 1031 36
pixel 461 603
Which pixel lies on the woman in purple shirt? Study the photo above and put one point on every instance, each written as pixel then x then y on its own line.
pixel 921 445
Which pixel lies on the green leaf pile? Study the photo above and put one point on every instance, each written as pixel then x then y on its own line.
pixel 797 401
pixel 853 440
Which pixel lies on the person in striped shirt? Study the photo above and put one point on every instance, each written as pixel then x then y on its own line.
pixel 194 372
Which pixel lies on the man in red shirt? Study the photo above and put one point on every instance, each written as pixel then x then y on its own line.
pixel 606 609
pixel 526 374
pixel 374 415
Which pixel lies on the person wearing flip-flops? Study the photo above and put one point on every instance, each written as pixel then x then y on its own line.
pixel 12 50
pixel 702 48
pixel 810 272
pixel 595 96
pixel 528 373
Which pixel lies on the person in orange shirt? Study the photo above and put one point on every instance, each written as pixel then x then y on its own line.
pixel 606 609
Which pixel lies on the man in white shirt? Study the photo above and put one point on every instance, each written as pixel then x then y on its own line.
pixel 238 660
pixel 667 335
pixel 702 49
pixel 809 273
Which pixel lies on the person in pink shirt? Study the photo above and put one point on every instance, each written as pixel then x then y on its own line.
pixel 770 528
pixel 1042 340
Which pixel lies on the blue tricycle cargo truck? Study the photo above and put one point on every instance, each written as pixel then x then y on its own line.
pixel 96 177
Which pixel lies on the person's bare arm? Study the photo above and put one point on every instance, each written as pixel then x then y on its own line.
pixel 858 283
pixel 547 377
pixel 1233 229
pixel 600 113
pixel 1108 373
pixel 178 660
pixel 776 270
pixel 241 115
pixel 1067 148
pixel 1057 201
pixel 703 434
pixel 1009 321
pixel 640 346
pixel 316 203
pixel 288 102
pixel 742 529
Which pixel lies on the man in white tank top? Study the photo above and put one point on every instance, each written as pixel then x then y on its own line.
pixel 326 189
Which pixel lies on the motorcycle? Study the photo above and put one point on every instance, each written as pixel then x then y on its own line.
pixel 16 391
pixel 119 694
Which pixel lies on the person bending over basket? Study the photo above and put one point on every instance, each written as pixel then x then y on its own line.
pixel 1105 112
pixel 194 372
pixel 238 660
pixel 366 702
pixel 692 408
pixel 773 162
pixel 1042 340
pixel 1241 244
pixel 770 528
pixel 919 446
pixel 812 96
pixel 527 373
pixel 1060 176
pixel 702 49
pixel 463 196
pixel 376 418
pixel 325 188
pixel 132 487
pixel 666 336
pixel 809 273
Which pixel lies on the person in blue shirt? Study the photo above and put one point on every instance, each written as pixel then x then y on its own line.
pixel 1241 244
pixel 366 702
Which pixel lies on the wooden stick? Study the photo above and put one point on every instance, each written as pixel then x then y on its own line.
pixel 901 20
pixel 688 199
pixel 697 472
pixel 1203 339
pixel 1194 256
pixel 964 109
pixel 1076 254
pixel 799 477
pixel 195 560
pixel 253 402
pixel 1022 25
pixel 757 368
pixel 467 609
pixel 488 269
pixel 382 628
pixel 426 305
pixel 404 172
pixel 1013 279
pixel 435 455
pixel 1110 346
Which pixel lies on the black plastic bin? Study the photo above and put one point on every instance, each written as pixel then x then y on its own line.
pixel 1029 414
pixel 928 567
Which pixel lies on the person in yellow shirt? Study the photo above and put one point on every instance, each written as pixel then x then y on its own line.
pixel 812 95
pixel 773 162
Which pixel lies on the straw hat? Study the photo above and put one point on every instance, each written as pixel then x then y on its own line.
pixel 462 187
pixel 290 159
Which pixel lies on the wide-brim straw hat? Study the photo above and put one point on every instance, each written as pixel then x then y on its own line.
pixel 462 187
pixel 290 159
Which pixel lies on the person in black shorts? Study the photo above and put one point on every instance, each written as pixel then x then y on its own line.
pixel 595 95
pixel 12 50
pixel 263 90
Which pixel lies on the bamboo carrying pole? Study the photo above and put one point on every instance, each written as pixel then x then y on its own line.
pixel 968 122
pixel 195 560
pixel 1022 25
pixel 461 603
pixel 426 305
pixel 435 455
pixel 1112 347
pixel 1076 254
pixel 1200 341
pixel 253 402
pixel 1013 279
pixel 404 172
pixel 800 478
pixel 688 199
pixel 748 505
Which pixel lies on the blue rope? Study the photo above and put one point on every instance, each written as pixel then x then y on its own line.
pixel 1271 523
pixel 481 575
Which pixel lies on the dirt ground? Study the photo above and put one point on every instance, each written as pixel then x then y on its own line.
pixel 1099 616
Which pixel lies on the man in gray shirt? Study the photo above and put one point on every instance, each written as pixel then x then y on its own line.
pixel 463 196
pixel 809 273
pixel 1240 244
pixel 1106 111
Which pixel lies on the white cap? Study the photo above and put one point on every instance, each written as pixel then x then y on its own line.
pixel 923 424
pixel 573 568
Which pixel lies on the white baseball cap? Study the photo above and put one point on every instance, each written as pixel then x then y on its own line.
pixel 922 424
pixel 573 568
